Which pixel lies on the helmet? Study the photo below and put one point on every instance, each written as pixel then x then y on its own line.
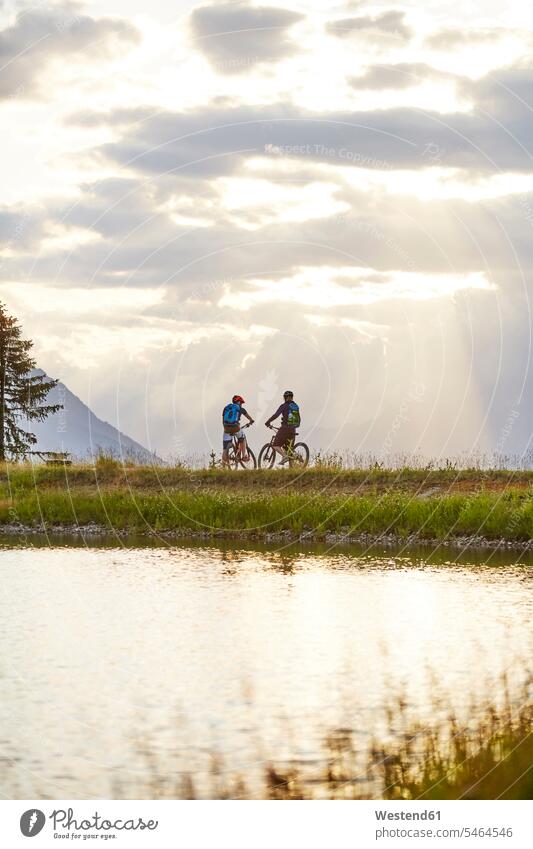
pixel 237 399
pixel 287 393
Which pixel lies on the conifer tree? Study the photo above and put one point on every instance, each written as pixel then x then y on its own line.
pixel 22 391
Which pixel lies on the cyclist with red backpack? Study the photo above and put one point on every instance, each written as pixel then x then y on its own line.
pixel 231 416
pixel 290 420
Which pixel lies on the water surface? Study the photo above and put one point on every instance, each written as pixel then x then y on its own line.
pixel 109 653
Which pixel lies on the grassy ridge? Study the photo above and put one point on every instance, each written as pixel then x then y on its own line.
pixel 429 503
pixel 507 515
pixel 107 472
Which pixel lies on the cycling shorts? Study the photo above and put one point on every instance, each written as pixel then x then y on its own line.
pixel 227 438
pixel 285 434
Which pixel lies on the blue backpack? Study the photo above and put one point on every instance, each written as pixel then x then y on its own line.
pixel 293 418
pixel 231 414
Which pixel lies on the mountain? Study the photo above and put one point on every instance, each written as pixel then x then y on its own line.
pixel 79 431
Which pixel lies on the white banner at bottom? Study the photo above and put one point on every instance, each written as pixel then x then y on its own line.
pixel 266 825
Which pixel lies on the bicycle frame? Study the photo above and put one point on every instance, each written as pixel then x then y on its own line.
pixel 291 441
pixel 235 441
pixel 234 452
pixel 297 453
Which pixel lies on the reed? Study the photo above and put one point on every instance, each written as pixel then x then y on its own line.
pixel 487 756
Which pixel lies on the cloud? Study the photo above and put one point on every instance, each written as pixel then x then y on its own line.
pixel 235 241
pixel 21 229
pixel 391 23
pixel 142 240
pixel 201 239
pixel 450 38
pixel 215 140
pixel 192 325
pixel 506 93
pixel 235 37
pixel 77 302
pixel 39 37
pixel 398 76
pixel 343 287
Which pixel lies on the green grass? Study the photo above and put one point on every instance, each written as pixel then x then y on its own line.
pixel 506 514
pixel 433 503
pixel 110 472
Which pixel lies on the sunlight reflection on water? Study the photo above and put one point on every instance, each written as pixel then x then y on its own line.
pixel 251 654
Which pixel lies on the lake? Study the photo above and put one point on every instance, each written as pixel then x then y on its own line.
pixel 125 667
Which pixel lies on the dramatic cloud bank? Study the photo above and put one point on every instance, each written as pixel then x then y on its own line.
pixel 249 198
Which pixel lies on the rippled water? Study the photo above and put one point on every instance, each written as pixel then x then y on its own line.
pixel 189 651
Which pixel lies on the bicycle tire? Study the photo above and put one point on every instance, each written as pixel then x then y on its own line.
pixel 252 463
pixel 232 458
pixel 302 459
pixel 267 456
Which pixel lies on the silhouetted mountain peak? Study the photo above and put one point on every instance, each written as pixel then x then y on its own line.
pixel 79 431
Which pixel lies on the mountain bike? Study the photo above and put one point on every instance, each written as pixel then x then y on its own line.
pixel 298 453
pixel 234 459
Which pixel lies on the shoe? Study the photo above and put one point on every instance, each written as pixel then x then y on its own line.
pixel 283 461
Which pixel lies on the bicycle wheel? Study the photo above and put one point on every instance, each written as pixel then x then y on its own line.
pixel 267 456
pixel 232 458
pixel 252 462
pixel 299 456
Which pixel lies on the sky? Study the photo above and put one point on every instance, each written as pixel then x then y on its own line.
pixel 205 199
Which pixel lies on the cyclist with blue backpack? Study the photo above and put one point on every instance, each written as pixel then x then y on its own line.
pixel 231 417
pixel 290 420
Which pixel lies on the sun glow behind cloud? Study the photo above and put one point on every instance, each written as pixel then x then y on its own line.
pixel 254 203
pixel 335 287
pixel 71 301
pixel 433 182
